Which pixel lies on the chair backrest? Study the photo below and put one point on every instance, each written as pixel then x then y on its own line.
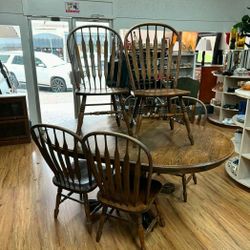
pixel 196 110
pixel 60 149
pixel 188 83
pixel 96 55
pixel 116 162
pixel 149 53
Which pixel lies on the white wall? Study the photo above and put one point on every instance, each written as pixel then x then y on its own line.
pixel 186 15
pixel 57 8
pixel 11 6
pixel 192 15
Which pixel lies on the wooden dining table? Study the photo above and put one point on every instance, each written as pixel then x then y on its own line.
pixel 171 150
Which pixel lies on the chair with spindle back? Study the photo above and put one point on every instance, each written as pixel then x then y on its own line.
pixel 97 59
pixel 190 84
pixel 60 149
pixel 153 67
pixel 197 114
pixel 124 183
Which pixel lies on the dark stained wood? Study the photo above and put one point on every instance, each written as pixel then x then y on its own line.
pixel 171 150
pixel 96 55
pixel 122 186
pixel 207 82
pixel 70 173
pixel 216 215
pixel 153 51
pixel 14 120
pixel 150 67
pixel 161 92
pixel 197 114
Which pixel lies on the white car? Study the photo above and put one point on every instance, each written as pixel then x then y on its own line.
pixel 51 70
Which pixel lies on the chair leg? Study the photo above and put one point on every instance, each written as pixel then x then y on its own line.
pixel 194 178
pixel 115 109
pixel 81 115
pixel 159 214
pixel 184 186
pixel 140 231
pixel 186 120
pixel 81 196
pixel 139 116
pixel 87 213
pixel 101 223
pixel 171 120
pixel 125 115
pixel 58 200
pixel 135 111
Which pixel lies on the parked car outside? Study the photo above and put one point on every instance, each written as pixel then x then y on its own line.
pixel 51 70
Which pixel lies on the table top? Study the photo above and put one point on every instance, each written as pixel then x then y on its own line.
pixel 171 149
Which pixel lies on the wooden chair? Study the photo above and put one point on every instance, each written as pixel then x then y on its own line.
pixel 153 67
pixel 70 173
pixel 97 59
pixel 190 84
pixel 125 185
pixel 197 113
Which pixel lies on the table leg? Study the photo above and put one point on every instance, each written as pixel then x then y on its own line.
pixel 171 120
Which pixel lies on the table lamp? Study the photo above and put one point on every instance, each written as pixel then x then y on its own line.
pixel 204 45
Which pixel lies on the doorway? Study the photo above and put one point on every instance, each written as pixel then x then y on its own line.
pixel 53 68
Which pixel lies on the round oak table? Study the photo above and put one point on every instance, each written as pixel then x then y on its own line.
pixel 171 149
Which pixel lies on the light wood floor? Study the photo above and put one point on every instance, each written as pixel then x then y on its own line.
pixel 216 216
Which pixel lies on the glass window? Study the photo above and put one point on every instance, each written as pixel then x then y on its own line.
pixel 4 58
pixel 18 60
pixel 208 50
pixel 39 62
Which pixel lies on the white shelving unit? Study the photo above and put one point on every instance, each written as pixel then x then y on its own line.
pixel 225 103
pixel 187 66
pixel 239 167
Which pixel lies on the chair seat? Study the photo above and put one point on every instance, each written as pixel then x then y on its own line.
pixel 160 92
pixel 104 91
pixel 140 206
pixel 78 186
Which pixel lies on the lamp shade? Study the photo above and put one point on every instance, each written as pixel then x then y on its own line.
pixel 223 44
pixel 204 44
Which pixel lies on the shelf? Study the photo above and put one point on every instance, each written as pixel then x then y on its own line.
pixel 243 93
pixel 216 74
pixel 233 173
pixel 239 124
pixel 232 76
pixel 227 109
pixel 230 93
pixel 215 106
pixel 247 156
pixel 236 146
pixel 238 77
pixel 231 168
pixel 217 91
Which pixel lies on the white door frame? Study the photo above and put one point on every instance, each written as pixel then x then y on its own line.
pixel 24 23
pixel 28 57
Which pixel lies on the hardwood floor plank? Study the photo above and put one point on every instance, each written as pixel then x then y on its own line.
pixel 216 215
